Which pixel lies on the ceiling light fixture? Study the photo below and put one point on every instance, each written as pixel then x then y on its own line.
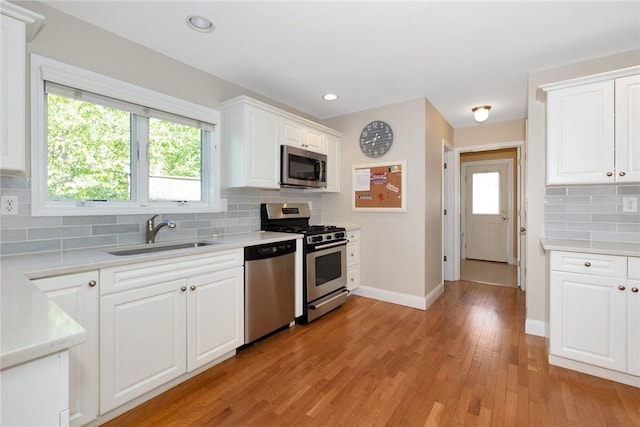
pixel 481 113
pixel 200 23
pixel 330 97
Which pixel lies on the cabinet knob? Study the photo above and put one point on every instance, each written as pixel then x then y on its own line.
pixel 92 283
pixel 634 290
pixel 183 289
pixel 192 287
pixel 587 264
pixel 622 174
pixel 621 287
pixel 609 173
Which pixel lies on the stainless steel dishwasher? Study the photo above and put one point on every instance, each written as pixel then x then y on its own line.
pixel 269 287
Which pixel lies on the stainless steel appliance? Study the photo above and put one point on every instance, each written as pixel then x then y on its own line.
pixel 325 256
pixel 269 287
pixel 302 168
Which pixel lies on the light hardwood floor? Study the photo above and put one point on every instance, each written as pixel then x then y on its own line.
pixel 494 273
pixel 465 362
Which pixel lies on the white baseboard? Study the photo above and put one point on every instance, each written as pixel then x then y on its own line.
pixel 413 301
pixel 536 327
pixel 596 371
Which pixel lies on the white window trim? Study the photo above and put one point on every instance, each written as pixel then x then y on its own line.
pixel 48 69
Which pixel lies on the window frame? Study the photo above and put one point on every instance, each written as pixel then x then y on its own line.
pixel 46 69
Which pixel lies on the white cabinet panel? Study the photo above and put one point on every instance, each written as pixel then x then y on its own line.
pixel 594 264
pixel 634 326
pixel 332 147
pixel 580 134
pixel 588 319
pixel 298 135
pixel 215 319
pixel 627 129
pixel 143 340
pixel 36 393
pixel 77 295
pixel 353 259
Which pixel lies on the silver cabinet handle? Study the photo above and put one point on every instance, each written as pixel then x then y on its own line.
pixel 622 174
pixel 183 288
pixel 634 290
pixel 92 283
pixel 587 264
pixel 622 287
pixel 193 287
pixel 609 173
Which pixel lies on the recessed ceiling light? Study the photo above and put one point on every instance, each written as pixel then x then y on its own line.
pixel 200 23
pixel 330 97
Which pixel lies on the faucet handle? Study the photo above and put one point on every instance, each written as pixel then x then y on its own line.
pixel 152 219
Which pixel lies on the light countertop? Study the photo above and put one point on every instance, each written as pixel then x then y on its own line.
pixel 33 326
pixel 585 246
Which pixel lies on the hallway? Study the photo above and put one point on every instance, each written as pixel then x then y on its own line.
pixel 493 273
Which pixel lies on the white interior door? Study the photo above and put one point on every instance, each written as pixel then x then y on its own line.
pixel 487 212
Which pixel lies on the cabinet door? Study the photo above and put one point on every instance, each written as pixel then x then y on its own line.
pixel 77 295
pixel 292 134
pixel 628 129
pixel 332 146
pixel 215 316
pixel 588 319
pixel 12 94
pixel 633 295
pixel 313 141
pixel 142 339
pixel 263 139
pixel 580 134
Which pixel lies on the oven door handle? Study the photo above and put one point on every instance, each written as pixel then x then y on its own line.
pixel 340 295
pixel 331 245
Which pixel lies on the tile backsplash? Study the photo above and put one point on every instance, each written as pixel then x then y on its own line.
pixel 25 234
pixel 591 213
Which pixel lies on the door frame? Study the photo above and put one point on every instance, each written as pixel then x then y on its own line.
pixel 448 267
pixel 521 202
pixel 463 202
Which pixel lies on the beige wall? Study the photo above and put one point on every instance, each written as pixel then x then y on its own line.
pixel 504 153
pixel 537 281
pixel 437 129
pixel 490 133
pixel 392 249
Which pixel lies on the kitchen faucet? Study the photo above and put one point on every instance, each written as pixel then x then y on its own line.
pixel 152 229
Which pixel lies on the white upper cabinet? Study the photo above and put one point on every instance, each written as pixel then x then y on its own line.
pixel 332 145
pixel 252 135
pixel 13 32
pixel 297 135
pixel 251 146
pixel 593 134
pixel 628 129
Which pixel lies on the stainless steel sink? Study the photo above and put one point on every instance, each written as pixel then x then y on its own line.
pixel 150 249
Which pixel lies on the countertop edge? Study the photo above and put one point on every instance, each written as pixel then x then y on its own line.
pixel 585 246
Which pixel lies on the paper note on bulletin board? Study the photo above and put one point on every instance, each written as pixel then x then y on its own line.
pixel 380 187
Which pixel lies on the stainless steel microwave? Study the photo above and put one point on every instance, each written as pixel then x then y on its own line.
pixel 302 168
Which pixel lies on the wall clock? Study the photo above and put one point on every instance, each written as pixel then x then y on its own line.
pixel 376 138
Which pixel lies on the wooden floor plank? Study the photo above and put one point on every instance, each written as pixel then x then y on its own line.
pixel 464 361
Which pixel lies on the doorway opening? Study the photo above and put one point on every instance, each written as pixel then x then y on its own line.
pixel 487 240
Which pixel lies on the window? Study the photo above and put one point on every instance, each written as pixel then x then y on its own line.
pixel 486 193
pixel 104 146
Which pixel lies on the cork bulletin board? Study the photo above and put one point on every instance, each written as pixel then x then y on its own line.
pixel 379 187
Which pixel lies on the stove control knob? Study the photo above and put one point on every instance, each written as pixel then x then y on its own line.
pixel 340 235
pixel 329 237
pixel 316 239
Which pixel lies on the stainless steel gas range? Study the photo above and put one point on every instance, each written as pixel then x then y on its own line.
pixel 325 256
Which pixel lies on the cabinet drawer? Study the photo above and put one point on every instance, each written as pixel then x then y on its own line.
pixel 634 268
pixel 132 276
pixel 352 254
pixel 353 235
pixel 353 278
pixel 592 264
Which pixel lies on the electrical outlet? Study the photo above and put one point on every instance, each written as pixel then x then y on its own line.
pixel 9 205
pixel 630 204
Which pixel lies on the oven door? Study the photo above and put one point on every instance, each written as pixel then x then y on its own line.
pixel 326 270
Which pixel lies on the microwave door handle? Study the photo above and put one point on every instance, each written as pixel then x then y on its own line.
pixel 322 177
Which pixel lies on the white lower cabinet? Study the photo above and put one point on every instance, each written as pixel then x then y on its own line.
pixel 594 316
pixel 353 260
pixel 180 315
pixel 36 393
pixel 77 294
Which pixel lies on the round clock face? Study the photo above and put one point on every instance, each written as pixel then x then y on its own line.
pixel 376 138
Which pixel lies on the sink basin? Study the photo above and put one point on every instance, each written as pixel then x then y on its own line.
pixel 150 249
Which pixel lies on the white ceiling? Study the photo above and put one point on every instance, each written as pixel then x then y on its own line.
pixel 456 54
